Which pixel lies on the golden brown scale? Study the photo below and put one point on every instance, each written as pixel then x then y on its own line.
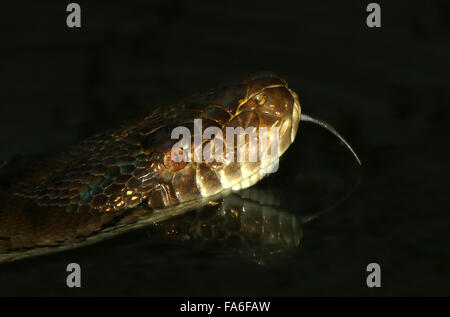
pixel 23 224
pixel 118 171
pixel 79 191
pixel 118 178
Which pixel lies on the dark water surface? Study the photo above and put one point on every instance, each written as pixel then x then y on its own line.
pixel 386 90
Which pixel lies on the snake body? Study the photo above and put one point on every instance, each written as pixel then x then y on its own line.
pixel 115 181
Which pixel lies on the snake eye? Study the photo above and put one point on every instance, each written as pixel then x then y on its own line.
pixel 175 163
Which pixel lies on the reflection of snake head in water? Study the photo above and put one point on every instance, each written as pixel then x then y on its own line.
pixel 249 222
pixel 119 178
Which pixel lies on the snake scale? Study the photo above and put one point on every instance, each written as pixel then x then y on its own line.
pixel 118 181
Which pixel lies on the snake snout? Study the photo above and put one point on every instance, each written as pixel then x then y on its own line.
pixel 275 105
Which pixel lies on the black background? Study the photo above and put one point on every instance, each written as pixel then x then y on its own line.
pixel 385 89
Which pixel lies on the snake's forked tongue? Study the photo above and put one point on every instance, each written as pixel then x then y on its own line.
pixel 329 127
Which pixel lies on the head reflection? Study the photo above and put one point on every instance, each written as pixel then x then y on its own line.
pixel 248 222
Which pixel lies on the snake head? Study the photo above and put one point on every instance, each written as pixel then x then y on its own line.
pixel 219 138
